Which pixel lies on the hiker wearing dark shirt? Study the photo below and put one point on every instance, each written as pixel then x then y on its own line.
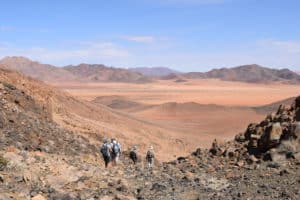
pixel 106 152
pixel 133 154
pixel 150 157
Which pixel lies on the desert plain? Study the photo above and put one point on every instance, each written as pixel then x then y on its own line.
pixel 196 111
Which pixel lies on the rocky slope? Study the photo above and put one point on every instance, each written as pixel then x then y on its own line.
pixel 40 159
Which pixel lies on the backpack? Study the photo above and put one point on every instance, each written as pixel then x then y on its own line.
pixel 105 150
pixel 133 155
pixel 116 149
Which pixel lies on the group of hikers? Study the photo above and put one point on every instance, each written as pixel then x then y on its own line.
pixel 111 151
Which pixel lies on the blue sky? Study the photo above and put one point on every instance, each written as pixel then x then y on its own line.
pixel 187 35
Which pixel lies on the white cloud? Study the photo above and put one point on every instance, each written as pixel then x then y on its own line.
pixel 140 39
pixel 288 46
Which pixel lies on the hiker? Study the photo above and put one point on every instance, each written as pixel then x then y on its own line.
pixel 106 152
pixel 215 148
pixel 133 154
pixel 150 157
pixel 115 151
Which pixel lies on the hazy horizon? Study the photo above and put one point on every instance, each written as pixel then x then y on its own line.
pixel 149 67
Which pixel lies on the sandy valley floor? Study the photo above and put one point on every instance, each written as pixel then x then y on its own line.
pixel 187 118
pixel 207 91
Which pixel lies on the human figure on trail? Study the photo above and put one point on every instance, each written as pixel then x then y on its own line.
pixel 133 154
pixel 115 151
pixel 215 148
pixel 150 157
pixel 106 152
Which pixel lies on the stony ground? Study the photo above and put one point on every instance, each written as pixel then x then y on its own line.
pixel 30 174
pixel 41 160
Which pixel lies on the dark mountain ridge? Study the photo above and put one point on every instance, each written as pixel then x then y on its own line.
pixel 102 73
pixel 246 73
pixel 155 71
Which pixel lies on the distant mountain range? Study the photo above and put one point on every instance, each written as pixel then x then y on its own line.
pixel 154 71
pixel 245 73
pixel 101 73
pixel 82 72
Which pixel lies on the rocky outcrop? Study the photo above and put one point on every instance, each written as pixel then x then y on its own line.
pixel 276 138
pixel 276 129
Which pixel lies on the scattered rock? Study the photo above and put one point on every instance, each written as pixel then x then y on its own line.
pixel 122 185
pixel 240 163
pixel 158 187
pixel 283 172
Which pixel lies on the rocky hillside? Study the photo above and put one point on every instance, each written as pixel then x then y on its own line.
pixel 28 126
pixel 41 159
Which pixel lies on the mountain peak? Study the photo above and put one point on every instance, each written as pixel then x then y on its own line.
pixel 16 59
